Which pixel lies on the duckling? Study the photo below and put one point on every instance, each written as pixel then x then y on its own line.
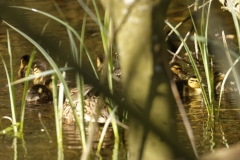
pixel 190 87
pixel 218 78
pixel 23 66
pixel 38 66
pixel 229 85
pixel 99 63
pixel 41 89
pixel 177 72
pixel 116 71
pixel 39 93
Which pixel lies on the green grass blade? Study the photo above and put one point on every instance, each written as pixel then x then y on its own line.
pixel 26 82
pixel 195 68
pixel 66 25
pixel 11 93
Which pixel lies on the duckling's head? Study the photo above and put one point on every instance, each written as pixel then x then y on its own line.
pixel 23 66
pixel 193 82
pixel 218 76
pixel 177 70
pixel 39 66
pixel 24 60
pixel 100 60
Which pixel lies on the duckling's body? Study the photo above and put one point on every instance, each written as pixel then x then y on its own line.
pixel 177 72
pixel 190 87
pixel 39 66
pixel 39 93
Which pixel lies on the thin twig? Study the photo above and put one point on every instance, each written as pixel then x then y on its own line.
pixel 181 46
pixel 177 56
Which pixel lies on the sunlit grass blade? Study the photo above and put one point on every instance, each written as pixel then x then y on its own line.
pixel 80 86
pixel 25 91
pixel 224 81
pixel 205 55
pixel 202 44
pixel 104 130
pixel 66 25
pixel 11 93
pixel 195 68
pixel 107 45
pixel 44 127
pixel 237 27
pixel 9 129
pixel 58 118
pixel 52 63
pixel 11 88
pixel 44 73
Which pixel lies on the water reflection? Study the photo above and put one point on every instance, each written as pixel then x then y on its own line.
pixel 72 137
pixel 211 135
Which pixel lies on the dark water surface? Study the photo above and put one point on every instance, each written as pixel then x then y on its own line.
pixel 37 145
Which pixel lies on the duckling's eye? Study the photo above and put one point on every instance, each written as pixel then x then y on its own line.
pixel 194 80
pixel 177 68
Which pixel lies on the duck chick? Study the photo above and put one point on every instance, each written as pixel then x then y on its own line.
pixel 39 93
pixel 190 87
pixel 23 66
pixel 38 66
pixel 229 85
pixel 218 78
pixel 116 67
pixel 177 72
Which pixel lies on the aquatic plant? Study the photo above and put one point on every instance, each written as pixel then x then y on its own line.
pixel 76 58
pixel 201 41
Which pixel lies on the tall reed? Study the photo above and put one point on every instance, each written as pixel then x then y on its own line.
pixel 229 53
pixel 201 40
pixel 11 88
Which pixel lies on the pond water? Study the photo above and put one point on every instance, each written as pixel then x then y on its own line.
pixel 224 132
pixel 37 144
